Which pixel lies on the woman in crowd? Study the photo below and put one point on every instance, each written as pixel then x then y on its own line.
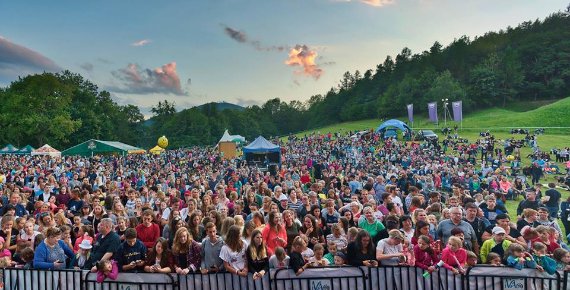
pixel 274 233
pixel 187 253
pixel 195 227
pixel 361 252
pixel 233 253
pixel 52 253
pixel 291 227
pixel 257 255
pixel 370 224
pixel 159 258
pixel 311 232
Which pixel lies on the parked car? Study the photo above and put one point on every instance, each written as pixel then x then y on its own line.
pixel 427 135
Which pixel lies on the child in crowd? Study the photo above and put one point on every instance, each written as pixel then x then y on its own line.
pixel 478 199
pixel 27 258
pixel 454 256
pixel 339 259
pixel 3 251
pixel 543 262
pixel 318 259
pixel 425 256
pixel 82 256
pixel 121 227
pixel 296 261
pixel 332 251
pixel 107 269
pixel 28 234
pixel 562 258
pixel 279 259
pixel 497 244
pixel 351 234
pixel 518 258
pixel 471 259
pixel 307 252
pixel 494 259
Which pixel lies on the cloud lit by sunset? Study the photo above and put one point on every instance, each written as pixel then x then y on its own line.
pixel 301 55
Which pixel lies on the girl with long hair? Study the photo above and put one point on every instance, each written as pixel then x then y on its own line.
pixel 257 255
pixel 233 253
pixel 159 258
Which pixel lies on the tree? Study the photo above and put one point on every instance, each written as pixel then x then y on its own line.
pixel 164 108
pixel 46 100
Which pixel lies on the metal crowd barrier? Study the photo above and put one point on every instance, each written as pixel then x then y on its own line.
pixel 329 278
pixel 345 278
pixel 510 278
pixel 413 278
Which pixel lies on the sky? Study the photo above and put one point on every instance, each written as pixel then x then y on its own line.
pixel 239 51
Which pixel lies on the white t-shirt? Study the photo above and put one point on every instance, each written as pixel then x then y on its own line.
pixel 385 248
pixel 236 259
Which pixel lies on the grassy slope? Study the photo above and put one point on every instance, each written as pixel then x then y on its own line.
pixel 496 120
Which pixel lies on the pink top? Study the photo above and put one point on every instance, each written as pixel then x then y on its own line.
pixel 5 253
pixel 111 275
pixel 454 259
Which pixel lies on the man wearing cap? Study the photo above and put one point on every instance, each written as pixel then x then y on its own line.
pixel 497 244
pixel 446 226
pixel 283 202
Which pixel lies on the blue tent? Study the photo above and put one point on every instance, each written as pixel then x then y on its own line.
pixel 261 145
pixel 262 153
pixel 393 123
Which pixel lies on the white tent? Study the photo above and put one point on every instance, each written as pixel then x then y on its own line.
pixel 231 138
pixel 47 150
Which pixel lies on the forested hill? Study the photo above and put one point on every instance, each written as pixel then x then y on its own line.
pixel 527 62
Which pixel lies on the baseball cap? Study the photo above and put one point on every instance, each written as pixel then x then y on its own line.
pixel 498 230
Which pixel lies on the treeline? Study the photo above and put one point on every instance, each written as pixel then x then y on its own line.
pixel 527 62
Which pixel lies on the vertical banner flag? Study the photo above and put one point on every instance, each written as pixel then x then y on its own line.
pixel 410 112
pixel 432 111
pixel 457 111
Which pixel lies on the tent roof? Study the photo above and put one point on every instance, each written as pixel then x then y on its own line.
pixel 8 149
pixel 231 138
pixel 261 145
pixel 46 150
pixel 393 123
pixel 156 149
pixel 94 146
pixel 25 150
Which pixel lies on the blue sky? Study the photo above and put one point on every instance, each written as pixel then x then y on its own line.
pixel 240 51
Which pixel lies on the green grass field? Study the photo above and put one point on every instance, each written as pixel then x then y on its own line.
pixel 555 115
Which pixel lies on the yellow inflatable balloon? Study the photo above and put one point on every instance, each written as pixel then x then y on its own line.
pixel 510 158
pixel 162 142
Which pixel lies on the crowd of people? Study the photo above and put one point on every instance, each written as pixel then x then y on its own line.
pixel 335 200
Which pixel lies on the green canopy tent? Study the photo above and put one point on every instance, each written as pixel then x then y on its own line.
pixel 9 149
pixel 95 147
pixel 26 150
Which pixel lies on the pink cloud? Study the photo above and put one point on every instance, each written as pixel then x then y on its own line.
pixel 377 3
pixel 302 56
pixel 136 80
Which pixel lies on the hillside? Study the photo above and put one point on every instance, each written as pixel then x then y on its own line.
pixel 220 106
pixel 495 119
